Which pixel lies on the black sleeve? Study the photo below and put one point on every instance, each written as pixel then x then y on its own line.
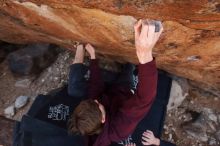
pixel 77 84
pixel 165 143
pixel 39 102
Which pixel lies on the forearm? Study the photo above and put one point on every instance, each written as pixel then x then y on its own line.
pixel 147 84
pixel 140 104
pixel 76 79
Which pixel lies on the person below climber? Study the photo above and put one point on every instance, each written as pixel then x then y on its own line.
pixel 111 114
pixel 148 138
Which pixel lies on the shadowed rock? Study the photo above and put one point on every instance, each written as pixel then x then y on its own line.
pixel 32 59
pixel 6 48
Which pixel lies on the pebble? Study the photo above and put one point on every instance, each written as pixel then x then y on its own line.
pixel 212 127
pixel 49 69
pixel 9 111
pixel 166 132
pixel 21 101
pixel 192 102
pixel 25 83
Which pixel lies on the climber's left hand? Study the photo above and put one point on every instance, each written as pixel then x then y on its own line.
pixel 91 50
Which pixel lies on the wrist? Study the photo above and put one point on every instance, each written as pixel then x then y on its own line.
pixel 157 142
pixel 93 56
pixel 145 58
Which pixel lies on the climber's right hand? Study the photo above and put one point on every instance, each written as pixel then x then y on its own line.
pixel 91 50
pixel 145 39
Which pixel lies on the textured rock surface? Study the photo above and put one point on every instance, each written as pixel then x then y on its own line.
pixel 6 131
pixel 190 46
pixel 201 125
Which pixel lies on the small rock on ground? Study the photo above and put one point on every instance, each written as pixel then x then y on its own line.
pixel 21 101
pixel 23 83
pixel 9 111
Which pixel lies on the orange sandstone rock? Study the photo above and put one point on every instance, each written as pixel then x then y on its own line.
pixel 189 47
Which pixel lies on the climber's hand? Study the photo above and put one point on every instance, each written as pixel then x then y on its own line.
pixel 148 138
pixel 90 49
pixel 145 39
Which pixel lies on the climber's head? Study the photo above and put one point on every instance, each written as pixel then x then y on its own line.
pixel 88 118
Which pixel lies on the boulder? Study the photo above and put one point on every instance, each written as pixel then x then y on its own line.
pixel 6 48
pixel 32 59
pixel 189 47
pixel 179 91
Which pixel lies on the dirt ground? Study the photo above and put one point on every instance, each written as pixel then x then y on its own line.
pixel 56 76
pixel 197 100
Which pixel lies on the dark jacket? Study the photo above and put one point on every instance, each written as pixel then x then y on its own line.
pixel 124 109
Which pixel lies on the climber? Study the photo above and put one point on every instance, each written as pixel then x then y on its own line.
pixel 112 114
pixel 121 111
